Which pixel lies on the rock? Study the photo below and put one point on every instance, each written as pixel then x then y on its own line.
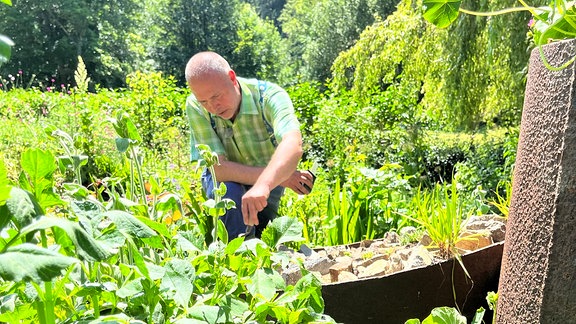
pixel 391 238
pixel 494 224
pixel 377 268
pixel 292 274
pixel 471 240
pixel 321 265
pixel 346 276
pixel 336 269
pixel 425 240
pixel 419 257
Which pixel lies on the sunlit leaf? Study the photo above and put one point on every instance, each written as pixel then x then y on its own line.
pixel 445 315
pixel 441 12
pixel 131 288
pixel 129 224
pixel 26 262
pixel 4 184
pixel 189 241
pixel 87 247
pixel 262 285
pixel 5 48
pixel 281 230
pixel 178 279
pixel 207 315
pixel 21 207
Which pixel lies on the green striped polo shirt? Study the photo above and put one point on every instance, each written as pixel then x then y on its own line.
pixel 246 140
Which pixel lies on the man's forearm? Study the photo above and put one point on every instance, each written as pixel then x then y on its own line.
pixel 282 164
pixel 236 172
pixel 284 161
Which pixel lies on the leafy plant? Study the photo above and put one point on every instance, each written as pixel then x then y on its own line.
pixel 440 212
pixel 550 23
pixel 448 315
pixel 502 201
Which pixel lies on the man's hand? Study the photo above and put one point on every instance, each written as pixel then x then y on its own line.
pixel 254 201
pixel 301 182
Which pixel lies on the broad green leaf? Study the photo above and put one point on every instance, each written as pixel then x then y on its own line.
pixel 234 245
pixel 5 48
pixel 262 285
pixel 207 314
pixel 189 241
pixel 122 144
pixel 444 315
pixel 30 262
pixel 87 247
pixel 178 278
pixel 129 224
pixel 4 184
pixel 281 230
pixel 413 321
pixel 562 28
pixel 131 288
pixel 19 314
pixel 138 260
pixel 441 13
pixel 238 306
pixel 21 207
pixel 222 232
pixel 8 2
pixel 160 228
pixel 39 165
pixel 125 128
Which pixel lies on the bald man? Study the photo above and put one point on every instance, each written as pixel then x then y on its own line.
pixel 252 127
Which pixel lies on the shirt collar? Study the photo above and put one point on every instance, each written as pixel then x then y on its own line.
pixel 247 105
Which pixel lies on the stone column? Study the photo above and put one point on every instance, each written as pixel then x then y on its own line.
pixel 538 277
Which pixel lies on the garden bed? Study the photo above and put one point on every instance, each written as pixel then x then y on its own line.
pixel 382 279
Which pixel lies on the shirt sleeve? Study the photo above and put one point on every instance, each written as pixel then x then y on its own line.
pixel 201 131
pixel 279 109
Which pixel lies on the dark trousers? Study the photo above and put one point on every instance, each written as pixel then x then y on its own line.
pixel 233 219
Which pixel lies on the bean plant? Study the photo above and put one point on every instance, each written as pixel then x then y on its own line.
pixel 73 254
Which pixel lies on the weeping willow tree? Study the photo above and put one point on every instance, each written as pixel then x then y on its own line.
pixel 469 75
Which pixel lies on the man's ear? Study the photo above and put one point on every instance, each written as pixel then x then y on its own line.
pixel 232 76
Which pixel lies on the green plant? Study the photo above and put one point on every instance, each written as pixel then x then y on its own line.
pixel 127 143
pixel 554 22
pixel 440 212
pixel 492 299
pixel 448 315
pixel 502 201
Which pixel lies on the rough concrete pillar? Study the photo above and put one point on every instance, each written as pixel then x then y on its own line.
pixel 538 277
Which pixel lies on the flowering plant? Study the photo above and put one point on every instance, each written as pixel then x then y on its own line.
pixel 554 22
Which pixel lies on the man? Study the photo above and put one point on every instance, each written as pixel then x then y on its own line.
pixel 252 127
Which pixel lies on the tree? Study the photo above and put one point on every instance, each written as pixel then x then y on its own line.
pixel 49 37
pixel 181 28
pixel 319 30
pixel 470 75
pixel 260 51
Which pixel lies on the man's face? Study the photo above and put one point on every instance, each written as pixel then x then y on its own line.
pixel 219 94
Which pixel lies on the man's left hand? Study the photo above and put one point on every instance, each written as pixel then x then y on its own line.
pixel 301 182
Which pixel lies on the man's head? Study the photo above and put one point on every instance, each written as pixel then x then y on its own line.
pixel 214 84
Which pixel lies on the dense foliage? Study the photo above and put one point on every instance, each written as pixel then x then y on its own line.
pixel 467 76
pixel 97 154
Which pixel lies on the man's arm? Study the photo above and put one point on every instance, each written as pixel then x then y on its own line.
pixel 282 166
